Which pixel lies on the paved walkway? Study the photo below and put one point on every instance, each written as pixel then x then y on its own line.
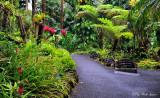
pixel 96 81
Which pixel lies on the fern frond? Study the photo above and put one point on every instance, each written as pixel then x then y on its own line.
pixel 104 7
pixel 127 35
pixel 109 13
pixel 105 21
pixel 114 31
pixel 86 15
pixel 120 20
pixel 89 9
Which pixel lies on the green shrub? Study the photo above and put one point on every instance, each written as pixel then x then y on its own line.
pixel 103 53
pixel 44 71
pixel 47 49
pixel 148 64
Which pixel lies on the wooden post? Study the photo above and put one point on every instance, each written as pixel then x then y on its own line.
pixel 22 27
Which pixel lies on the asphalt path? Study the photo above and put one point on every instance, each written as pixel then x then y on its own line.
pixel 97 81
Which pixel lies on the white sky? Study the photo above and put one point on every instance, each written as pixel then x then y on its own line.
pixel 29 6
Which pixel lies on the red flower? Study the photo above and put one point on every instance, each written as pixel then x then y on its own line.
pixel 49 29
pixel 20 90
pixel 52 30
pixel 46 28
pixel 63 32
pixel 20 70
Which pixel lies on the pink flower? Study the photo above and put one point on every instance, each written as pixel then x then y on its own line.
pixel 52 30
pixel 20 70
pixel 20 90
pixel 63 32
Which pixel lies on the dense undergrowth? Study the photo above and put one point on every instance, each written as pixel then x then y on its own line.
pixel 33 70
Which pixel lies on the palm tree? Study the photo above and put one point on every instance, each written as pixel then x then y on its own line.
pixel 143 17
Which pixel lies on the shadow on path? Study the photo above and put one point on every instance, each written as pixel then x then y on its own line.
pixel 96 81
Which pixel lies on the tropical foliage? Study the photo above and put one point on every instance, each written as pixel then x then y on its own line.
pixel 35 45
pixel 110 22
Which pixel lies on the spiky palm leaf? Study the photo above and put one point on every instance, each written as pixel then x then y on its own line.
pixel 144 13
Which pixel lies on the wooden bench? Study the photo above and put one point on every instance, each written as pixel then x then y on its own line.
pixel 126 65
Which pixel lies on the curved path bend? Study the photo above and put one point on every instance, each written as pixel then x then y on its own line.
pixel 96 81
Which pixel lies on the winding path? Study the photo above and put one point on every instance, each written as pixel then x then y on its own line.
pixel 96 81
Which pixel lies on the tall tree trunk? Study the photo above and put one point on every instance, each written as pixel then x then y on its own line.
pixel 158 37
pixel 22 27
pixel 134 40
pixel 1 17
pixel 44 8
pixel 26 4
pixel 34 7
pixel 40 32
pixel 115 45
pixel 101 38
pixel 5 21
pixel 62 13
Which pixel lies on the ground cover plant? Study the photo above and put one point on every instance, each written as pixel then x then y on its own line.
pixel 36 71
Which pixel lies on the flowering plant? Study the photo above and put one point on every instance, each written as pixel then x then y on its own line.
pixel 20 90
pixel 38 17
pixel 53 30
pixel 20 70
pixel 50 29
pixel 63 32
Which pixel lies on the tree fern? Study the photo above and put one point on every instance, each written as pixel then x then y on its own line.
pixel 90 9
pixel 127 35
pixel 86 15
pixel 120 20
pixel 104 7
pixel 107 20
